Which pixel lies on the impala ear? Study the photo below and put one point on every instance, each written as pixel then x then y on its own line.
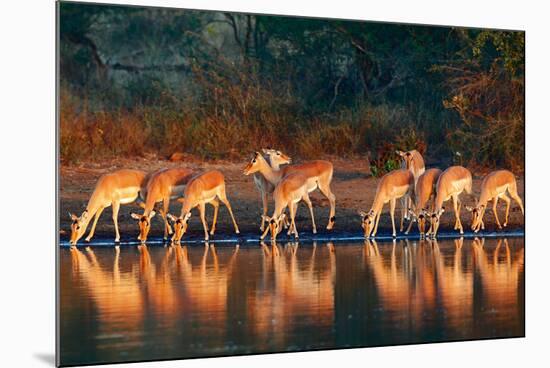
pixel 425 212
pixel 362 213
pixel 152 214
pixel 469 208
pixel 266 218
pixel 135 216
pixel 73 216
pixel 400 153
pixel 265 150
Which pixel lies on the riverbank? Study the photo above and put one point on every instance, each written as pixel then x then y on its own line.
pixel 352 184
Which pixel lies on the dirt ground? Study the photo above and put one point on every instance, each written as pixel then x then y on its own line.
pixel 352 184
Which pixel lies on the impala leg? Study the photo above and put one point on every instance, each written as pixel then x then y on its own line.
pixel 164 213
pixel 264 213
pixel 392 214
pixel 514 194
pixel 216 205
pixel 96 217
pixel 410 226
pixel 292 209
pixel 404 207
pixel 376 223
pixel 286 224
pixel 495 201
pixel 97 214
pixel 291 224
pixel 309 205
pixel 202 210
pixel 266 230
pixel 225 201
pixel 116 208
pixel 508 201
pixel 456 206
pixel 327 192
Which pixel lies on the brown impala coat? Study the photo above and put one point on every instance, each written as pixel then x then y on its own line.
pixel 451 183
pixel 163 185
pixel 288 193
pixel 424 191
pixel 318 173
pixel 113 189
pixel 204 188
pixel 394 185
pixel 494 187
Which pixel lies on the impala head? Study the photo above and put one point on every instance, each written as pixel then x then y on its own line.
pixel 434 220
pixel 477 215
pixel 144 222
pixel 254 164
pixel 407 158
pixel 78 226
pixel 275 225
pixel 180 226
pixel 276 156
pixel 367 221
pixel 421 219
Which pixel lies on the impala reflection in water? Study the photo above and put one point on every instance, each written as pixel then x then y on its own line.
pixel 143 303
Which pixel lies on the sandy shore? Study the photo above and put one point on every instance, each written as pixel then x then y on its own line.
pixel 352 184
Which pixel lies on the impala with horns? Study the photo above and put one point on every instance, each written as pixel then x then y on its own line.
pixel 207 187
pixel 163 185
pixel 424 192
pixel 394 185
pixel 318 174
pixel 113 189
pixel 494 187
pixel 263 185
pixel 413 161
pixel 291 189
pixel 451 183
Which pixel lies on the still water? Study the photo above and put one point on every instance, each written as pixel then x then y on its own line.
pixel 144 303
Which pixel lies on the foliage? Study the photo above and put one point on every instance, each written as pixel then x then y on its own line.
pixel 221 85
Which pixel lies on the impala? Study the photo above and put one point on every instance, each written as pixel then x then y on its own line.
pixel 113 189
pixel 494 187
pixel 451 183
pixel 291 189
pixel 424 192
pixel 413 161
pixel 164 184
pixel 207 187
pixel 394 185
pixel 318 174
pixel 263 185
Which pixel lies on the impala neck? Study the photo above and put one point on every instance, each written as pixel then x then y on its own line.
pixel 274 164
pixel 149 205
pixel 186 206
pixel 271 174
pixel 483 199
pixel 377 204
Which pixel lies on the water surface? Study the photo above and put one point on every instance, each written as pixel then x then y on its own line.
pixel 146 303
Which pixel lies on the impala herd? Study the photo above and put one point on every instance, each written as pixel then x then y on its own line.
pixel 421 192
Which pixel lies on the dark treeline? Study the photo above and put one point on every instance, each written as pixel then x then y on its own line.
pixel 220 85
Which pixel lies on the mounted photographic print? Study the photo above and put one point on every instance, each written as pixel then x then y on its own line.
pixel 235 184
